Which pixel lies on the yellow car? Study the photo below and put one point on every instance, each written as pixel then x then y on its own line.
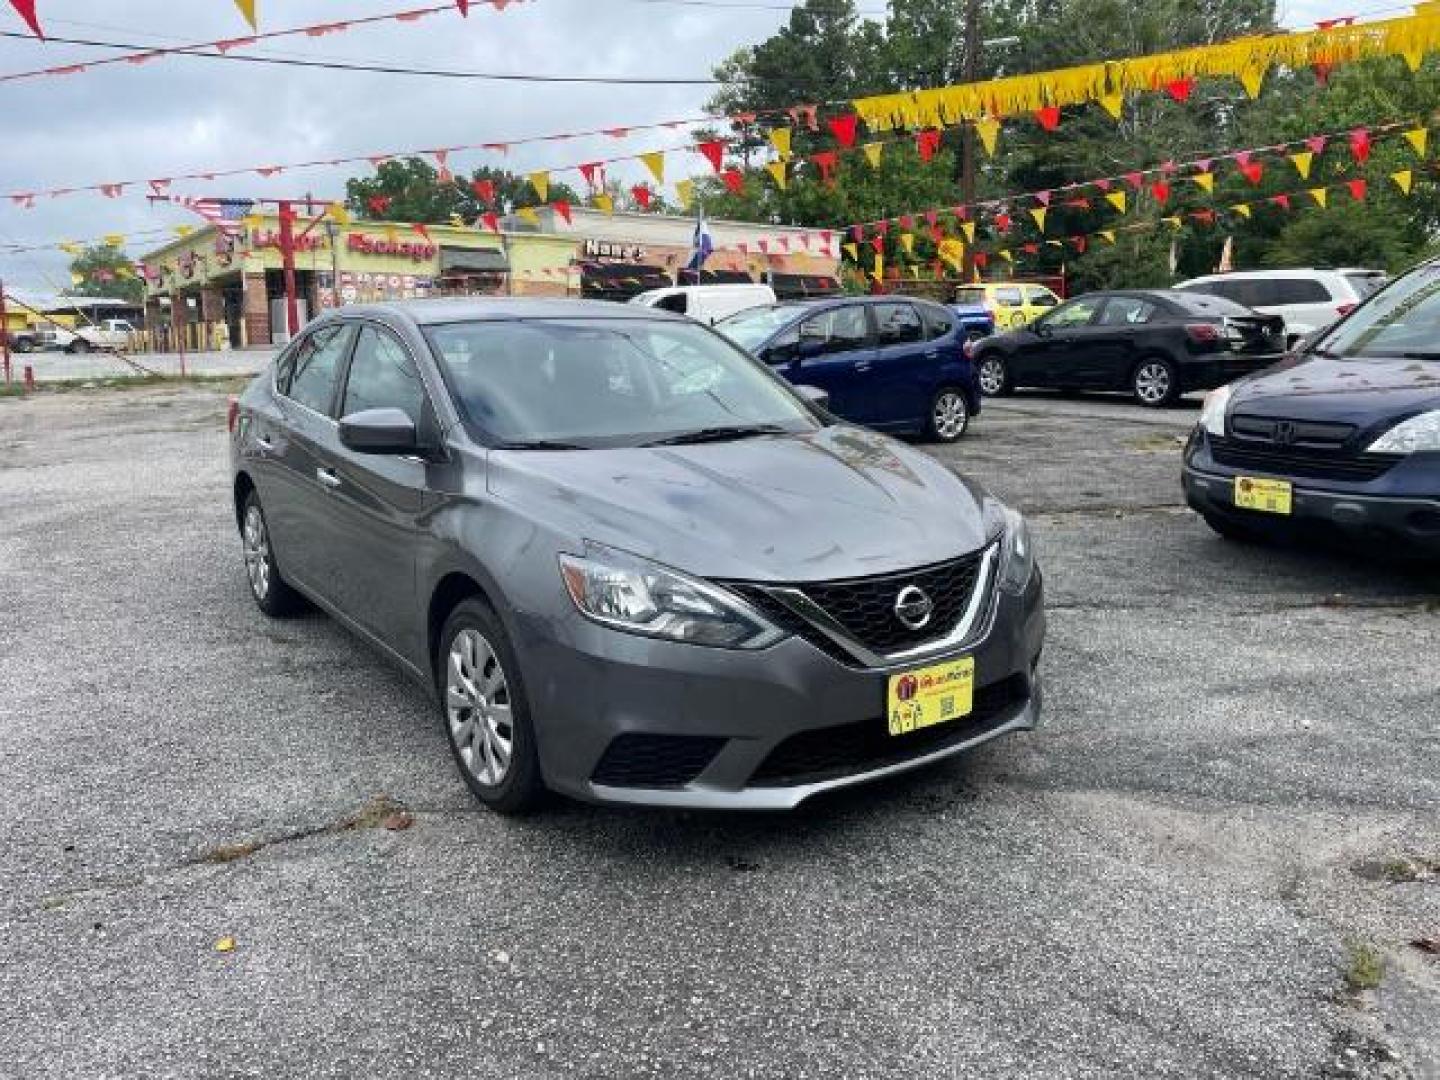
pixel 1010 304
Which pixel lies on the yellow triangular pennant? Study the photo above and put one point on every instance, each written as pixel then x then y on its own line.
pixel 1243 209
pixel 76 279
pixel 1414 58
pixel 852 250
pixel 1004 253
pixel 604 202
pixel 1114 103
pixel 780 139
pixel 779 170
pixel 1173 221
pixel 873 151
pixel 915 272
pixel 247 8
pixel 907 241
pixel 1116 199
pixel 655 162
pixel 952 251
pixel 988 128
pixel 1417 139
pixel 1403 180
pixel 1205 180
pixel 1038 213
pixel 338 213
pixel 1301 160
pixel 1251 78
pixel 1108 235
pixel 968 228
pixel 879 271
pixel 527 213
pixel 540 181
pixel 1319 194
pixel 114 239
pixel 72 248
pixel 685 192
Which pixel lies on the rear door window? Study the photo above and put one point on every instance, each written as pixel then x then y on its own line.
pixel 1039 296
pixel 1126 311
pixel 898 324
pixel 1008 296
pixel 311 381
pixel 1298 291
pixel 938 322
pixel 676 302
pixel 1073 315
pixel 1365 283
pixel 968 294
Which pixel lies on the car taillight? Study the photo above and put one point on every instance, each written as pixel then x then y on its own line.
pixel 1344 309
pixel 1202 333
pixel 232 414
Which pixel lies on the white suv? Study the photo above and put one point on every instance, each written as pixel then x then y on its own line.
pixel 1308 300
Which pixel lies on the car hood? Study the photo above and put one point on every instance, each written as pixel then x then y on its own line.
pixel 1364 391
pixel 837 503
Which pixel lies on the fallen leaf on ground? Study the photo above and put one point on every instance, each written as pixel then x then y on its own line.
pixel 401 819
pixel 1429 945
pixel 225 944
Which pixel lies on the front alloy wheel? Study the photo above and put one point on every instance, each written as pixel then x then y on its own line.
pixel 477 705
pixel 1154 383
pixel 949 416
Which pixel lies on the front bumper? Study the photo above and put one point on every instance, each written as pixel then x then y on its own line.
pixel 1391 509
pixel 726 713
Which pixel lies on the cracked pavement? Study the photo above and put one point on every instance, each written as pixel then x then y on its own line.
pixel 1161 882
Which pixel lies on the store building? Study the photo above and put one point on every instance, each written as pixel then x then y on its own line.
pixel 215 289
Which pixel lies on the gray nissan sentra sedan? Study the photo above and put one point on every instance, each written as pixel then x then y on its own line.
pixel 630 563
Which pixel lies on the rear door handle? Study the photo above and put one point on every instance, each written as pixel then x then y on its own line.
pixel 327 477
pixel 931 354
pixel 862 365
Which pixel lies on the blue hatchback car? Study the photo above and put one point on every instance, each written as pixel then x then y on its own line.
pixel 890 363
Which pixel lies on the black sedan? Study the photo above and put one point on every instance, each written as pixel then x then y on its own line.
pixel 1155 343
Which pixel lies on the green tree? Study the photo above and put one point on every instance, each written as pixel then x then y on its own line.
pixel 104 270
pixel 409 189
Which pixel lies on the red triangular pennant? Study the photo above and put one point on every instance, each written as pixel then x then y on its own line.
pixel 562 208
pixel 1161 190
pixel 641 194
pixel 927 142
pixel 1357 189
pixel 26 8
pixel 826 163
pixel 1360 145
pixel 734 180
pixel 844 128
pixel 484 190
pixel 714 151
pixel 1049 117
pixel 1179 89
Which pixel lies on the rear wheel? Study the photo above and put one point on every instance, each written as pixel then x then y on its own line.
pixel 1154 382
pixel 271 592
pixel 486 712
pixel 994 378
pixel 949 415
pixel 79 345
pixel 24 344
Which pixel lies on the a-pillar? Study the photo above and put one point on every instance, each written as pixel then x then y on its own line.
pixel 257 311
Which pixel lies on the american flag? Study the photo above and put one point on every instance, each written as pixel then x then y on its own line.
pixel 224 214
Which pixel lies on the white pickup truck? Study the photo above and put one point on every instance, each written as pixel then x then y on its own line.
pixel 105 334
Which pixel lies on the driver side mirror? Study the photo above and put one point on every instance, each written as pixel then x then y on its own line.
pixel 381 431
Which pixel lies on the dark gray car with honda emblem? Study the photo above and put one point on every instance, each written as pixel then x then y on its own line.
pixel 629 562
pixel 1155 343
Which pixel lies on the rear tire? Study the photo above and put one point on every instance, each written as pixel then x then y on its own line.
pixel 272 593
pixel 994 375
pixel 485 712
pixel 1155 382
pixel 24 345
pixel 949 416
pixel 79 345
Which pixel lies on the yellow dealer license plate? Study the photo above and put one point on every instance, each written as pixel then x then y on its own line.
pixel 930 695
pixel 1267 496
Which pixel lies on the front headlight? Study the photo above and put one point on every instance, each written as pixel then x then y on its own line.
pixel 1212 413
pixel 1410 437
pixel 629 593
pixel 1018 556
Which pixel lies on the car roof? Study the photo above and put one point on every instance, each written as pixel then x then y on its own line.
pixel 485 308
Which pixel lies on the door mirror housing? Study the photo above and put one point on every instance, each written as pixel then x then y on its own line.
pixel 380 431
pixel 814 395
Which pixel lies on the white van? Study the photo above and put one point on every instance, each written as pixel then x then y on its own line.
pixel 707 303
pixel 1307 299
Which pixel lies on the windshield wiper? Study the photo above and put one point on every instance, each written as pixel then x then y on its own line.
pixel 717 434
pixel 540 444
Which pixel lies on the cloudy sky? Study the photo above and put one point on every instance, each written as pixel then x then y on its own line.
pixel 178 115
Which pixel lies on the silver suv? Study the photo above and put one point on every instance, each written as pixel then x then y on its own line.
pixel 1307 299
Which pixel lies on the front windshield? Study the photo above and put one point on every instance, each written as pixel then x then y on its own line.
pixel 606 382
pixel 1402 319
pixel 752 326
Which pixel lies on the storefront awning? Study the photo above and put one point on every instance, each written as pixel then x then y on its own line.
pixel 472 261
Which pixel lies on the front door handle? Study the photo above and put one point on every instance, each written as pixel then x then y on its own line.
pixel 862 365
pixel 327 477
pixel 931 354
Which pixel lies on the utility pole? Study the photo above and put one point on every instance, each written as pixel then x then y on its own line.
pixel 967 132
pixel 4 332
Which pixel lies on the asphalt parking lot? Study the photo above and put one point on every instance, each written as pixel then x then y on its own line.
pixel 1174 877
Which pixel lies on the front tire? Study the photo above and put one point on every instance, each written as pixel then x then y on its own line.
pixel 485 711
pixel 1154 382
pixel 273 595
pixel 949 416
pixel 994 376
pixel 79 345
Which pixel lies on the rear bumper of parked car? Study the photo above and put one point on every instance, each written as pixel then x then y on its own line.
pixel 628 719
pixel 1206 371
pixel 1402 505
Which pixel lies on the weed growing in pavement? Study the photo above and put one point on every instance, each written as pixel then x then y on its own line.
pixel 1364 966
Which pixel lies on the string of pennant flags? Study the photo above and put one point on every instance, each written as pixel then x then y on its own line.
pixel 921 115
pixel 950 251
pixel 27 10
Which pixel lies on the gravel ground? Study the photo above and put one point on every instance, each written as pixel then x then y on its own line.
pixel 1172 878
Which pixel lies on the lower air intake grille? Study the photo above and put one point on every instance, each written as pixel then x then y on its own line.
pixel 655 761
pixel 825 753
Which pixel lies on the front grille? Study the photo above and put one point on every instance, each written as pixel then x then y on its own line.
pixel 1297 461
pixel 844 749
pixel 655 761
pixel 865 607
pixel 1301 434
